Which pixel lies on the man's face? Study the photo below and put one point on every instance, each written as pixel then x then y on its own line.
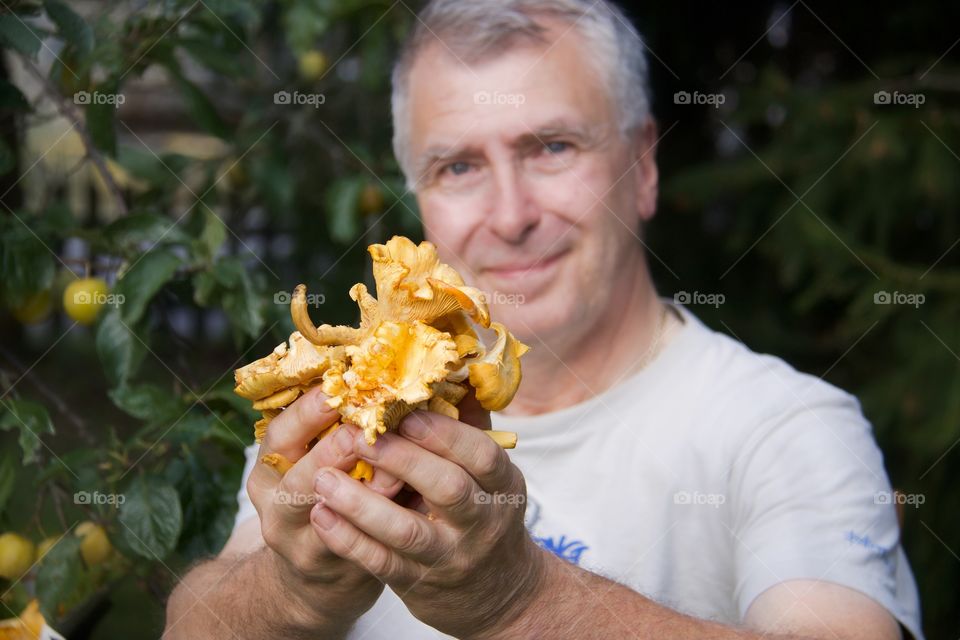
pixel 525 184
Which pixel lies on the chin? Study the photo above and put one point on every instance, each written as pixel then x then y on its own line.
pixel 533 320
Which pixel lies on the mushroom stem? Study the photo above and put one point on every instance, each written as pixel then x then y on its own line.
pixel 506 439
pixel 323 336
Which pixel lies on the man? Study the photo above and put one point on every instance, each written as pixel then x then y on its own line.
pixel 668 482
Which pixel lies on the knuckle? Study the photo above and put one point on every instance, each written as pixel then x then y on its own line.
pixel 380 563
pixel 404 463
pixel 489 460
pixel 340 542
pixel 409 536
pixel 347 501
pixel 455 490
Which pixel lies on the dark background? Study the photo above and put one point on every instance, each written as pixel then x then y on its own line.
pixel 799 200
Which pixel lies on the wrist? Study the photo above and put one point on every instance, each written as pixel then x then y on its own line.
pixel 305 602
pixel 520 611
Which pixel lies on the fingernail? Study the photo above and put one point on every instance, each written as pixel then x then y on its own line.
pixel 414 426
pixel 324 518
pixel 325 482
pixel 343 442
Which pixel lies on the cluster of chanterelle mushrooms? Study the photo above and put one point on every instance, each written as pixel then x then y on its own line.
pixel 424 342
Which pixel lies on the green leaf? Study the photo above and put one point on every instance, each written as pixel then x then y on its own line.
pixel 343 216
pixel 241 300
pixel 28 263
pixel 208 511
pixel 304 22
pixel 17 35
pixel 193 428
pixel 31 419
pixel 144 279
pixel 59 575
pixel 100 121
pixel 198 104
pixel 132 231
pixel 8 476
pixel 74 29
pixel 151 517
pixel 145 401
pixel 215 58
pixel 204 285
pixel 120 350
pixel 213 236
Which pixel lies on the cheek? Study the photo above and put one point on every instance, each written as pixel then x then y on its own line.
pixel 446 223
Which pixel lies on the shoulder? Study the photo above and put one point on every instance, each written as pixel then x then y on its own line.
pixel 739 386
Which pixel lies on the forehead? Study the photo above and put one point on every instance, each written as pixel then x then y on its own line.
pixel 528 86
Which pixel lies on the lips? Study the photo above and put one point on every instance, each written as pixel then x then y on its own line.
pixel 520 269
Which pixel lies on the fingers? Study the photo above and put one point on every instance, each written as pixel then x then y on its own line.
pixel 295 490
pixel 446 488
pixel 467 447
pixel 288 435
pixel 290 432
pixel 349 512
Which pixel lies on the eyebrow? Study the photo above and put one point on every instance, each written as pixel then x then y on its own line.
pixel 586 136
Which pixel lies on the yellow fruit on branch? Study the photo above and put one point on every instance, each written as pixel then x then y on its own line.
pixel 95 546
pixel 83 299
pixel 35 308
pixel 312 65
pixel 16 556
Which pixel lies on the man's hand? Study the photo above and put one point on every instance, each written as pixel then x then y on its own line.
pixel 468 565
pixel 327 586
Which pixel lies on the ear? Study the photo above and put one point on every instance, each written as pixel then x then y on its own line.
pixel 645 169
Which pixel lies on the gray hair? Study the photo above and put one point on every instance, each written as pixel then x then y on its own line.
pixel 473 31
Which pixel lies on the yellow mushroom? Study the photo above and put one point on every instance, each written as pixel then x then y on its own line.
pixel 423 342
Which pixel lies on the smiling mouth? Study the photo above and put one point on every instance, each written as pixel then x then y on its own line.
pixel 520 269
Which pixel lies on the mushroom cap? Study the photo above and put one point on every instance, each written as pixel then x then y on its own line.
pixel 288 365
pixel 496 374
pixel 412 284
pixel 399 362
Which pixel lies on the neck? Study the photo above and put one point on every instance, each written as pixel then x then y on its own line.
pixel 559 372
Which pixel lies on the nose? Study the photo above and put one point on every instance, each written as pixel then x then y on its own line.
pixel 514 212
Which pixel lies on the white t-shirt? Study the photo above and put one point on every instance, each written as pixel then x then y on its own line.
pixel 708 477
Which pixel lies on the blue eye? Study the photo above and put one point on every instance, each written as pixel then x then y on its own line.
pixel 556 147
pixel 458 168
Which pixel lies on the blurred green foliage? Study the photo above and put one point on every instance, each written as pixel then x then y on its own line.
pixel 800 199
